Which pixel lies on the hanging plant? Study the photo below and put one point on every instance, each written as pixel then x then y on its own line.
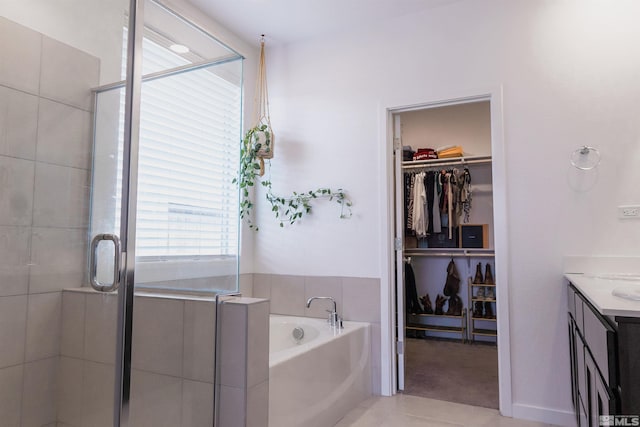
pixel 286 209
pixel 258 145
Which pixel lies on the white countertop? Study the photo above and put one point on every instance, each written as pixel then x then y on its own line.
pixel 598 291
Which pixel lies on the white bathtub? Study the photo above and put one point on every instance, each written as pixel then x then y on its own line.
pixel 316 382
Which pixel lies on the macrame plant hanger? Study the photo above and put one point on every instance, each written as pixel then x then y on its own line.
pixel 264 134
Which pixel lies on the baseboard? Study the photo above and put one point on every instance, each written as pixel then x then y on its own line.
pixel 544 415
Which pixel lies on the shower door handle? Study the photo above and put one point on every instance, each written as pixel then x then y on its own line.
pixel 93 265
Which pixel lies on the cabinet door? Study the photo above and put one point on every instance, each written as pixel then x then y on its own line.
pixel 572 362
pixel 601 399
pixel 581 378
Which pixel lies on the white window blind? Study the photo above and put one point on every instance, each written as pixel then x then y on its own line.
pixel 189 155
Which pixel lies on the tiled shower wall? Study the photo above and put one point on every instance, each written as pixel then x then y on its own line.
pixel 45 140
pixel 357 299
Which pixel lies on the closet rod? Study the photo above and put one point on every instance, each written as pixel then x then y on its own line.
pixel 440 165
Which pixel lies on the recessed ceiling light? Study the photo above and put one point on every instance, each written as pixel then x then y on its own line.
pixel 179 48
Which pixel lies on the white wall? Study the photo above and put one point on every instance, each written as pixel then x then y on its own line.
pixel 569 72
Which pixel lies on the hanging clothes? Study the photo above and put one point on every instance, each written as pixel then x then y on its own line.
pixel 435 209
pixel 449 184
pixel 429 188
pixel 408 200
pixel 419 202
pixel 465 194
pixel 410 291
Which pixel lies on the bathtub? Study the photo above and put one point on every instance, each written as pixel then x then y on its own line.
pixel 316 381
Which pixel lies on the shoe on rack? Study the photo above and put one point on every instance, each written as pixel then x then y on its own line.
pixel 488 311
pixel 480 293
pixel 488 277
pixel 426 303
pixel 477 309
pixel 455 306
pixel 478 279
pixel 490 292
pixel 440 300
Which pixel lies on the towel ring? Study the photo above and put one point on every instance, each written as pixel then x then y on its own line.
pixel 585 158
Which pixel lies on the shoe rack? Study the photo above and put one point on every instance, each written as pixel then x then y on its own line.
pixel 482 305
pixel 420 322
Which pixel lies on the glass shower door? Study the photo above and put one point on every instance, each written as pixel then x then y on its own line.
pixel 179 222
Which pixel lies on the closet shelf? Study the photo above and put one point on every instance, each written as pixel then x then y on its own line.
pixel 436 328
pixel 483 284
pixel 484 332
pixel 449 252
pixel 459 161
pixel 483 299
pixel 484 319
pixel 436 315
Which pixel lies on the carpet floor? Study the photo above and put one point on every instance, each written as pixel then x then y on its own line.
pixel 452 371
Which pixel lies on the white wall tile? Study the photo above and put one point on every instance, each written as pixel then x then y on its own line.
pixel 68 74
pixel 61 196
pixel 97 394
pixel 14 260
pixel 18 123
pixel 322 287
pixel 16 197
pixel 11 395
pixel 246 285
pixel 199 340
pixel 20 50
pixel 232 407
pixel 262 285
pixel 13 329
pixel 39 393
pixel 156 400
pixel 43 325
pixel 58 258
pixel 361 299
pixel 158 335
pixel 233 351
pixel 64 135
pixel 257 343
pixel 287 295
pixel 72 331
pixel 100 328
pixel 70 391
pixel 258 405
pixel 197 404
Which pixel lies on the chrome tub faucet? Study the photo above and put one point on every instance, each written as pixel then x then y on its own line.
pixel 334 319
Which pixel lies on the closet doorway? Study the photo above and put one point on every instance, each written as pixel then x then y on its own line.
pixel 447 253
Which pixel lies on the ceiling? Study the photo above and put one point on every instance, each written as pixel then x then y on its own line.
pixel 288 21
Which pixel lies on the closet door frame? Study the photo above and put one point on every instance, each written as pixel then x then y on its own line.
pixel 390 290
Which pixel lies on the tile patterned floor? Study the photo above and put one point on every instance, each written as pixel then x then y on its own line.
pixel 409 411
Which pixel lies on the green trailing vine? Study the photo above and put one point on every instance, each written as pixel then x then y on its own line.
pixel 286 209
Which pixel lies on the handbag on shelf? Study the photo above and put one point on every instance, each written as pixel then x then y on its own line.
pixel 452 284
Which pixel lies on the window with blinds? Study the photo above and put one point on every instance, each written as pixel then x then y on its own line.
pixel 189 153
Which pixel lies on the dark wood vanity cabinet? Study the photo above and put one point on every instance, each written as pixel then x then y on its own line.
pixel 593 341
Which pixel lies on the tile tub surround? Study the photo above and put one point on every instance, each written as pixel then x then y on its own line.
pixel 45 154
pixel 173 368
pixel 357 298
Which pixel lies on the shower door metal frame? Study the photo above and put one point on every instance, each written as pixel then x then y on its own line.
pixel 133 90
pixel 125 285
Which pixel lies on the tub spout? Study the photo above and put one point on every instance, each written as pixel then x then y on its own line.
pixel 334 319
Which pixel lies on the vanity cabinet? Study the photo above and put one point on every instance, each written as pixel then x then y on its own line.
pixel 593 352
